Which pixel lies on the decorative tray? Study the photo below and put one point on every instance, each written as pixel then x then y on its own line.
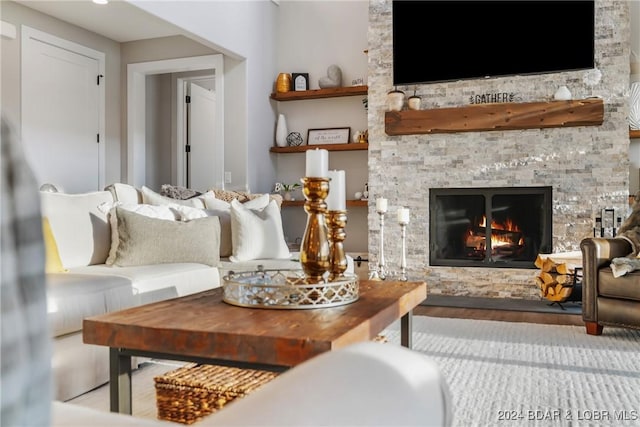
pixel 286 289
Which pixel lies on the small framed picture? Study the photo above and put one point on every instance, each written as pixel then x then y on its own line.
pixel 300 81
pixel 328 136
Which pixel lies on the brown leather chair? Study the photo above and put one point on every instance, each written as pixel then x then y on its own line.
pixel 608 300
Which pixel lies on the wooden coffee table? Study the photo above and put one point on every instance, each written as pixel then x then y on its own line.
pixel 201 328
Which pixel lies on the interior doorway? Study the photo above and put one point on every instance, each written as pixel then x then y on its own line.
pixel 136 132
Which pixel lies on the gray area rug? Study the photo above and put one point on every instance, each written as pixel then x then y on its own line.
pixel 523 374
pixel 500 373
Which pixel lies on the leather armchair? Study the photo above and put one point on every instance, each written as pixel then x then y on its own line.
pixel 607 300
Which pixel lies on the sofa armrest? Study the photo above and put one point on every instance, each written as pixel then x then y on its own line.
pixel 597 252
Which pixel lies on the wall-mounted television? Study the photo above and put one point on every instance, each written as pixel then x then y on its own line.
pixel 436 41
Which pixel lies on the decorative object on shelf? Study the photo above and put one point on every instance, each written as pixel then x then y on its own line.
pixel 288 189
pixel 562 94
pixel 403 220
pixel 287 289
pixel 395 100
pixel 357 195
pixel 294 139
pixel 492 98
pixel 364 137
pixel 365 102
pixel 300 81
pixel 281 131
pixel 357 82
pixel 328 136
pixel 380 273
pixel 634 106
pixel 356 137
pixel 365 193
pixel 332 79
pixel 283 82
pixel 414 101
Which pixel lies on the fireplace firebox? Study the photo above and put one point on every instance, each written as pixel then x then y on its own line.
pixel 489 227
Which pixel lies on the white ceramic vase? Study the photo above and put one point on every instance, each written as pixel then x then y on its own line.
pixel 634 106
pixel 281 131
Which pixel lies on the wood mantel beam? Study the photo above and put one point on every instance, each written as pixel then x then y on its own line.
pixel 499 116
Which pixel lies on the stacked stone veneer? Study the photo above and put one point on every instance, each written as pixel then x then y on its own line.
pixel 587 167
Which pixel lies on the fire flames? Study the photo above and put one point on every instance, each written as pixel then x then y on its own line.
pixel 506 238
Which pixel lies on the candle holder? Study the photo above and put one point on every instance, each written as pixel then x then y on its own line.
pixel 314 248
pixel 336 221
pixel 380 273
pixel 403 259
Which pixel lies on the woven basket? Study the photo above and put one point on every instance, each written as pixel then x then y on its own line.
pixel 187 394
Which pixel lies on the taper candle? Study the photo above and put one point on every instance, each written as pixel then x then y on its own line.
pixel 381 205
pixel 336 200
pixel 317 163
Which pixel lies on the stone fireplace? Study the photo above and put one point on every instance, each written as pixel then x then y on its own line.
pixel 584 167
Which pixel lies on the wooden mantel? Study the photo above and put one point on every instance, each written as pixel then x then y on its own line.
pixel 503 116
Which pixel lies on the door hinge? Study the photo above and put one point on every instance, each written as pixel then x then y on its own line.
pixel 98 138
pixel 98 79
pixel 187 99
pixel 187 148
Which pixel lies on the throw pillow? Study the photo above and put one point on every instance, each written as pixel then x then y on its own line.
pixel 222 210
pixel 159 212
pixel 150 197
pixel 257 233
pixel 53 263
pixel 143 240
pixel 242 196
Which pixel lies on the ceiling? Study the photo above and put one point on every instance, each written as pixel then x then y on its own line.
pixel 118 20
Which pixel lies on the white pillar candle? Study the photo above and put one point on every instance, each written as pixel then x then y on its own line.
pixel 403 215
pixel 317 163
pixel 381 204
pixel 336 200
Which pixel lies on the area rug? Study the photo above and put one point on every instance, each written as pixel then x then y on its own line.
pixel 501 373
pixel 523 374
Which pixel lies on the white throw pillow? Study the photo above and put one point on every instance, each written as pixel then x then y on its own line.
pixel 151 211
pixel 150 197
pixel 257 233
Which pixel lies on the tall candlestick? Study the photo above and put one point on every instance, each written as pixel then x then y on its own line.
pixel 314 248
pixel 381 205
pixel 317 163
pixel 336 200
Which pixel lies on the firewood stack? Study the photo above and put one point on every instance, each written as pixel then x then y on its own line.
pixel 556 280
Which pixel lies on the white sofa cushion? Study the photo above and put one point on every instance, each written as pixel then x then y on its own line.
pixel 72 297
pixel 143 240
pixel 81 230
pixel 257 233
pixel 157 282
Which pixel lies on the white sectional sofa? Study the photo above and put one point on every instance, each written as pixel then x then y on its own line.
pixel 86 285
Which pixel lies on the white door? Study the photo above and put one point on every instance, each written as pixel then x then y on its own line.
pixel 201 124
pixel 61 112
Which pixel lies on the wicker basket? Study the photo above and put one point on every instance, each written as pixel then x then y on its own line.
pixel 187 394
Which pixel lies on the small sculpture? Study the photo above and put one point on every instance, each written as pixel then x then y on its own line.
pixel 332 79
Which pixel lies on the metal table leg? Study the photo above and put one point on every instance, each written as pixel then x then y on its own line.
pixel 406 327
pixel 120 381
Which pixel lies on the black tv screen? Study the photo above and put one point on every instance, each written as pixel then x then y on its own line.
pixel 436 41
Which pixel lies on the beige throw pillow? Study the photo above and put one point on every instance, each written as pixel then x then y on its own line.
pixel 257 233
pixel 144 241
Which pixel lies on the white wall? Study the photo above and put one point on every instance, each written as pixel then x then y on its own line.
pixel 245 31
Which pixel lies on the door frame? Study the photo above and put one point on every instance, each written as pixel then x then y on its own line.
pixel 136 91
pixel 29 33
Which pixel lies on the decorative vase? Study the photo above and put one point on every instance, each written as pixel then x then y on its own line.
pixel 283 82
pixel 281 131
pixel 634 106
pixel 395 100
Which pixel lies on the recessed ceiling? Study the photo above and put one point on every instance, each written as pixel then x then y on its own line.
pixel 118 20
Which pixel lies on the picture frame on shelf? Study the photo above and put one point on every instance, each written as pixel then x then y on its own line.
pixel 300 81
pixel 328 136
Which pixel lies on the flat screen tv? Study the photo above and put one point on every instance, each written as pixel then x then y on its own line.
pixel 435 41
